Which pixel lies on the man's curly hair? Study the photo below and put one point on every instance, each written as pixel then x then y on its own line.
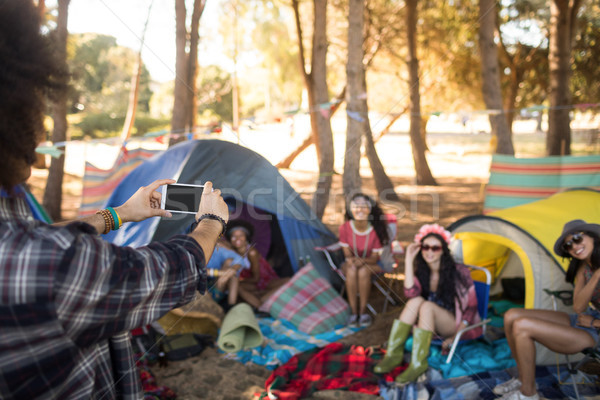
pixel 28 73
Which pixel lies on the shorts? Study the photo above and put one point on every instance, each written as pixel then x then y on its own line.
pixel 592 331
pixel 220 255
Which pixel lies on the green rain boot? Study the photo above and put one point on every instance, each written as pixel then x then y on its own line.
pixel 418 357
pixel 395 348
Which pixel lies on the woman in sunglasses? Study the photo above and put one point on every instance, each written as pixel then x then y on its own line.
pixel 441 300
pixel 559 331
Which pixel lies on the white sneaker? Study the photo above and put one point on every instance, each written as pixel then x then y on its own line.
pixel 365 320
pixel 517 395
pixel 352 321
pixel 506 387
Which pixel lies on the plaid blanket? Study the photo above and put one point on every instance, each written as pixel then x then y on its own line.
pixel 553 383
pixel 335 366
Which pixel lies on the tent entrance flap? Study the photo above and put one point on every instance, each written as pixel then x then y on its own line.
pixel 493 252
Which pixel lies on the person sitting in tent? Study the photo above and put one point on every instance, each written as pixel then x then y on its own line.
pixel 362 237
pixel 258 280
pixel 442 299
pixel 223 270
pixel 557 330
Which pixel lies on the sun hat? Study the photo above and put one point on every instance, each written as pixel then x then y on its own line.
pixel 576 225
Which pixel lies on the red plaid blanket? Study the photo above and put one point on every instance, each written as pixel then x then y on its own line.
pixel 335 366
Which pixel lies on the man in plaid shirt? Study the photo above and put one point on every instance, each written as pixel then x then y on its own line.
pixel 68 298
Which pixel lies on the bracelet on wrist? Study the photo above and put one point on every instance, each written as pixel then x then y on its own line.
pixel 213 217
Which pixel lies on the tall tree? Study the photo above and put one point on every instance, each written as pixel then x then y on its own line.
pixel 422 171
pixel 563 15
pixel 186 64
pixel 492 93
pixel 318 93
pixel 53 193
pixel 358 111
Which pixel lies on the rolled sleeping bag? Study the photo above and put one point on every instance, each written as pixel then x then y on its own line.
pixel 239 330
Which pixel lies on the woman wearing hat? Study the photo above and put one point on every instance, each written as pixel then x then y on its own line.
pixel 441 299
pixel 559 331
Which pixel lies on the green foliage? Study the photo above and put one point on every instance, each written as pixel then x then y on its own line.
pixel 214 94
pixel 101 75
pixel 103 125
pixel 585 85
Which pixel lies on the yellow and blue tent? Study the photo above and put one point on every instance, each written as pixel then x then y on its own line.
pixel 518 242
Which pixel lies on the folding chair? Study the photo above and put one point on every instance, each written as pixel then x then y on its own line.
pixel 589 353
pixel 378 279
pixel 482 289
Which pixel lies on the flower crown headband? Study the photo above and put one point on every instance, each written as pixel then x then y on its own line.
pixel 432 228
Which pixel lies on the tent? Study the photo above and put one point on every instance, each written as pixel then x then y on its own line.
pixel 518 242
pixel 285 227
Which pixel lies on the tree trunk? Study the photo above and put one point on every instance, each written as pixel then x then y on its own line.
pixel 423 173
pixel 192 70
pixel 53 194
pixel 178 119
pixel 355 110
pixel 563 14
pixel 289 159
pixel 324 143
pixel 492 94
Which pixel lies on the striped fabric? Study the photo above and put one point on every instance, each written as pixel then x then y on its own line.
pixel 515 181
pixel 309 302
pixel 99 184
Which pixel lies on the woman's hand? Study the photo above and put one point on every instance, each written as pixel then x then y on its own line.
pixel 585 320
pixel 145 203
pixel 412 250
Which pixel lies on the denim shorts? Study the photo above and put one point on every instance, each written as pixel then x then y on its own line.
pixel 592 331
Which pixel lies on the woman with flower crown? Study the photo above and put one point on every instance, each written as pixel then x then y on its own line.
pixel 441 301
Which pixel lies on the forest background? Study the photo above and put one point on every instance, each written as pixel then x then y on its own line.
pixel 381 66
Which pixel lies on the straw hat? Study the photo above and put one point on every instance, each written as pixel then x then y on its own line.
pixel 202 315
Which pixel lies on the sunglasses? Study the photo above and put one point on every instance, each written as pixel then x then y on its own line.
pixel 426 247
pixel 575 239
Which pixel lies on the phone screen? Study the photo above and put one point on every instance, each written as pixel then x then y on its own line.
pixel 182 198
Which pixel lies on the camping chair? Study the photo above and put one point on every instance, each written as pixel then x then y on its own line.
pixel 378 279
pixel 482 289
pixel 589 354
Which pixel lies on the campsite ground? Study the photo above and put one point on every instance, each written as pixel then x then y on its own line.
pixel 460 163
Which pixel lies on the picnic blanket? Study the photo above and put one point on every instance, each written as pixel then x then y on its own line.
pixel 282 340
pixel 335 366
pixel 551 380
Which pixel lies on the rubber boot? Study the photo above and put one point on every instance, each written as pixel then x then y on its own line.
pixel 395 347
pixel 418 357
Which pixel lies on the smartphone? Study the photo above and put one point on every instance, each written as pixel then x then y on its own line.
pixel 181 198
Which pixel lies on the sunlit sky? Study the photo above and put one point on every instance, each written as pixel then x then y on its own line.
pixel 125 21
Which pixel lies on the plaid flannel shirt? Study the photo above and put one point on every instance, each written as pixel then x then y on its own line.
pixel 68 300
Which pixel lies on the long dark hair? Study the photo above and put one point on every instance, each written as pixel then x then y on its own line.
pixel 376 218
pixel 575 263
pixel 450 277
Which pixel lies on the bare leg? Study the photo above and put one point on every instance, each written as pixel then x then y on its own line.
pixel 234 284
pixel 351 286
pixel 553 332
pixel 247 293
pixel 436 319
pixel 410 312
pixel 514 314
pixel 364 287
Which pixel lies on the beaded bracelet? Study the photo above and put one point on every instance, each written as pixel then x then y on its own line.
pixel 112 220
pixel 210 216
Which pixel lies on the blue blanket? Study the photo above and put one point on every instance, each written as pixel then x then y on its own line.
pixel 283 341
pixel 553 383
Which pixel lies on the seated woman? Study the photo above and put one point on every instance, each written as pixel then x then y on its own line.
pixel 560 332
pixel 442 300
pixel 223 269
pixel 258 280
pixel 362 237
